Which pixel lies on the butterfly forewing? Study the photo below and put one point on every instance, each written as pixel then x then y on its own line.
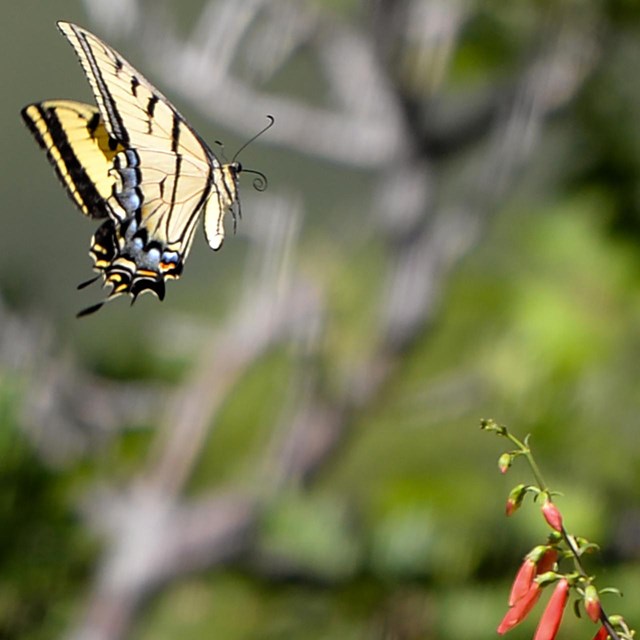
pixel 135 112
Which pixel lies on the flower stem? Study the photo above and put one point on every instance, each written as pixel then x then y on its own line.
pixel 524 450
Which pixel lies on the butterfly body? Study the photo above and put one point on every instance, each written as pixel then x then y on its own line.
pixel 133 162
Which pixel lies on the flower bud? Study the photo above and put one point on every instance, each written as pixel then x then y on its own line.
pixel 515 499
pixel 592 603
pixel 552 615
pixel 504 462
pixel 552 515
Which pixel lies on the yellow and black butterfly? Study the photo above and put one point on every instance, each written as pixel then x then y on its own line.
pixel 134 162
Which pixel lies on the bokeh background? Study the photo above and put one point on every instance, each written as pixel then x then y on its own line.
pixel 288 446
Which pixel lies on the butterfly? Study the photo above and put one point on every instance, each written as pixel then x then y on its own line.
pixel 133 162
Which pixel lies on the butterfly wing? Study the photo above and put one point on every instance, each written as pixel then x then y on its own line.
pixel 135 162
pixel 174 166
pixel 165 175
pixel 79 148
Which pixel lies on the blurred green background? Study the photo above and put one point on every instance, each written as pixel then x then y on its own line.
pixel 398 532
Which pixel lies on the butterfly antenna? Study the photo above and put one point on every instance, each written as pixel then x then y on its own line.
pixel 260 183
pixel 257 135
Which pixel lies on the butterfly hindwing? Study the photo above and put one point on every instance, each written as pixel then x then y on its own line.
pixel 79 148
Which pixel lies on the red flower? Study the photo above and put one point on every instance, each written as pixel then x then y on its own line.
pixel 592 603
pixel 547 560
pixel 522 581
pixel 539 560
pixel 519 611
pixel 552 616
pixel 602 634
pixel 552 515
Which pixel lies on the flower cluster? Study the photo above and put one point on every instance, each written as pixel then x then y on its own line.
pixel 541 567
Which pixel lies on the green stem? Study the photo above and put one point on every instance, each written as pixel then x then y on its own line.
pixel 525 450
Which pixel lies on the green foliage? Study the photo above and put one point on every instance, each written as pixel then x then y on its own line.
pixel 44 552
pixel 309 535
pixel 610 132
pixel 235 445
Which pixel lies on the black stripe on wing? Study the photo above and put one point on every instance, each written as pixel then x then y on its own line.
pixel 112 114
pixel 68 166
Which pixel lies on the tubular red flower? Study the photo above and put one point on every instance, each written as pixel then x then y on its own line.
pixel 546 561
pixel 592 603
pixel 519 611
pixel 552 615
pixel 602 634
pixel 552 515
pixel 522 581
